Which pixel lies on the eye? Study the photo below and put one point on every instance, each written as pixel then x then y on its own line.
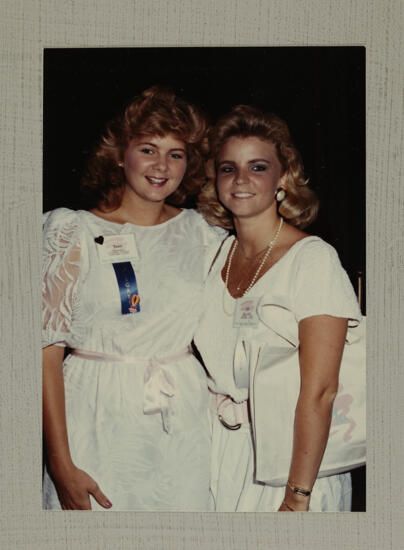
pixel 259 168
pixel 177 155
pixel 147 150
pixel 226 169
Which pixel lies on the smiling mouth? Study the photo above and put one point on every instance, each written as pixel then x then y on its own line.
pixel 242 195
pixel 157 182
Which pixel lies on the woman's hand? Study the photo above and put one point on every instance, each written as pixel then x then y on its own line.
pixel 288 508
pixel 72 484
pixel 294 502
pixel 74 488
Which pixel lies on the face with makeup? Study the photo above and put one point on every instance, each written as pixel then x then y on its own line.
pixel 248 176
pixel 154 167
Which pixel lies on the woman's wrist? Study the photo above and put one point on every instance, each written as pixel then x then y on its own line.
pixel 298 489
pixel 60 466
pixel 297 501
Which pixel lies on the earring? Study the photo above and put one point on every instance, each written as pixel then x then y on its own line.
pixel 280 195
pixel 120 164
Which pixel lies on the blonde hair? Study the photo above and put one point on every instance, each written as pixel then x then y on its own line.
pixel 155 112
pixel 300 206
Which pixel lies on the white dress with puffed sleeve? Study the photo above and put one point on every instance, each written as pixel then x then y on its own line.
pixel 136 416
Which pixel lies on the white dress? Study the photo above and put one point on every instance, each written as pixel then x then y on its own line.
pixel 312 272
pixel 139 428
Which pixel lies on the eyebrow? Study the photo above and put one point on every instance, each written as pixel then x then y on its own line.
pixel 249 162
pixel 156 146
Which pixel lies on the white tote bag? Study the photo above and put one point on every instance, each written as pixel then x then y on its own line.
pixel 271 358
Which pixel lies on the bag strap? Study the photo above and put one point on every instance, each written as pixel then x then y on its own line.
pixel 276 315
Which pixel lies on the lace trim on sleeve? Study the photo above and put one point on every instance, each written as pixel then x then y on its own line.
pixel 61 270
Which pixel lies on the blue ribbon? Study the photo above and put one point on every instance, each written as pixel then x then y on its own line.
pixel 130 300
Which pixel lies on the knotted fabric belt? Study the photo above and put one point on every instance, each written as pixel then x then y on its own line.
pixel 159 384
pixel 220 402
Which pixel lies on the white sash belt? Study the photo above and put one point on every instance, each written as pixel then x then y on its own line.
pixel 239 411
pixel 159 384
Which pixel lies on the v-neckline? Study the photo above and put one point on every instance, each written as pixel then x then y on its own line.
pixel 268 271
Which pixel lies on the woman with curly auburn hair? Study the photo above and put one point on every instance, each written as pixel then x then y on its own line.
pixel 271 285
pixel 157 112
pixel 125 414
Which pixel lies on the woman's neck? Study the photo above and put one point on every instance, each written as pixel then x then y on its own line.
pixel 141 213
pixel 255 234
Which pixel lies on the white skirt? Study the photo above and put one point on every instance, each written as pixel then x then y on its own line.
pixel 233 484
pixel 137 464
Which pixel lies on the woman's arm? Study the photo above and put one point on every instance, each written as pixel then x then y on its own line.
pixel 322 340
pixel 72 484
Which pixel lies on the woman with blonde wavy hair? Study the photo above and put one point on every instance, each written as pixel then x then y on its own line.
pixel 260 191
pixel 124 415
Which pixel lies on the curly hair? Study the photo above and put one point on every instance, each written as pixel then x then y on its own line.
pixel 157 111
pixel 300 205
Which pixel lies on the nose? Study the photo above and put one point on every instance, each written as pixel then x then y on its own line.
pixel 240 178
pixel 160 163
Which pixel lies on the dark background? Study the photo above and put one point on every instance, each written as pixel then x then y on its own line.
pixel 319 91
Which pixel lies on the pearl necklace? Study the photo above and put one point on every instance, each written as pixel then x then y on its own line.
pixel 253 280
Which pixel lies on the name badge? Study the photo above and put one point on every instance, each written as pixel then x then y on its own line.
pixel 245 314
pixel 117 248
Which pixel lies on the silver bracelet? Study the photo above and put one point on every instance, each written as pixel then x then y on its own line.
pixel 298 490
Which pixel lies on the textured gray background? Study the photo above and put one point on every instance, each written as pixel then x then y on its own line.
pixel 27 26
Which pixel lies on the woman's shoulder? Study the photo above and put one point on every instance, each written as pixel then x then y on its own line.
pixel 61 225
pixel 196 220
pixel 314 249
pixel 60 217
pixel 320 283
pixel 308 257
pixel 300 246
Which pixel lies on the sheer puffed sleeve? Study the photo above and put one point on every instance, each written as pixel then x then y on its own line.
pixel 60 276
